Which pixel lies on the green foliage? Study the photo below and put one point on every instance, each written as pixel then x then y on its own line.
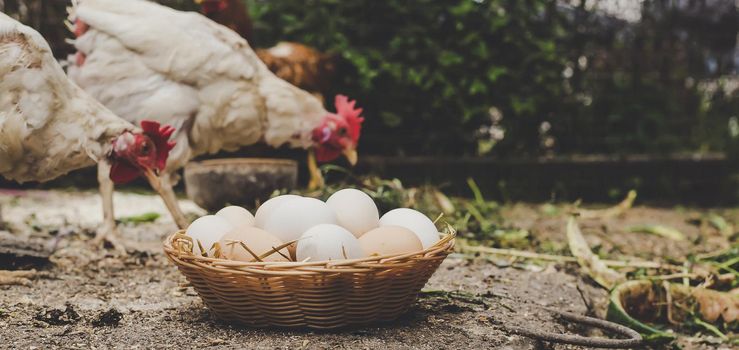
pixel 649 86
pixel 428 73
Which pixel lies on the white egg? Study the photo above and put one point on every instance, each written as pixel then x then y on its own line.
pixel 328 242
pixel 266 209
pixel 237 216
pixel 355 210
pixel 207 230
pixel 415 221
pixel 296 216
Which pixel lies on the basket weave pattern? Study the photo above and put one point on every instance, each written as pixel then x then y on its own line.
pixel 317 295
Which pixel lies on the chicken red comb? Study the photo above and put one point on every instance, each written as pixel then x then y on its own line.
pixel 159 134
pixel 345 108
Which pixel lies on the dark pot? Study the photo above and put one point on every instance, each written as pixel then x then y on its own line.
pixel 213 184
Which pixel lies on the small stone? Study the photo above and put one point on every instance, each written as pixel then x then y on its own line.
pixel 59 317
pixel 110 318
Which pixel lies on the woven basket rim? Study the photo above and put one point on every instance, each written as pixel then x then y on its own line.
pixel 179 254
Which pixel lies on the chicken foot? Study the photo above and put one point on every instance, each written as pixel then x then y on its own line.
pixel 163 185
pixel 316 178
pixel 16 277
pixel 109 230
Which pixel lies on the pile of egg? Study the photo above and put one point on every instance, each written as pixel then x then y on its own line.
pixel 346 226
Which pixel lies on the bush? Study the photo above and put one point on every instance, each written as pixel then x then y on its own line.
pixel 428 72
pixel 656 85
pixel 435 77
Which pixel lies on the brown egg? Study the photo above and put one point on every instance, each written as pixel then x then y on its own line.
pixel 258 240
pixel 388 240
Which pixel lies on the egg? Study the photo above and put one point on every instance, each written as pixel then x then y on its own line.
pixel 259 242
pixel 390 240
pixel 237 216
pixel 207 230
pixel 355 210
pixel 415 221
pixel 266 209
pixel 296 216
pixel 328 242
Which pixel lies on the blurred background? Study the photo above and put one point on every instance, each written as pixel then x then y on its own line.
pixel 535 99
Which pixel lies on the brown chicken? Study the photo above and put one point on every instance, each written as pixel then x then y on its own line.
pixel 300 65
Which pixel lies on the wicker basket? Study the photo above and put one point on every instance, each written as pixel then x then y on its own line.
pixel 320 295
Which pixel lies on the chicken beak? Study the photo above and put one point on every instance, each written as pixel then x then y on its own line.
pixel 351 155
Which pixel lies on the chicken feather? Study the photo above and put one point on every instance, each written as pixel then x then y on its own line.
pixel 144 60
pixel 48 125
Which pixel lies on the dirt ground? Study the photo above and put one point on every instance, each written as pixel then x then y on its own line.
pixel 93 298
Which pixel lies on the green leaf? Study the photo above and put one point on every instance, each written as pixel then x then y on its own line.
pixel 390 119
pixel 138 219
pixel 477 87
pixel 589 262
pixel 494 73
pixel 617 312
pixel 723 226
pixel 448 58
pixel 522 105
pixel 462 9
pixel 659 230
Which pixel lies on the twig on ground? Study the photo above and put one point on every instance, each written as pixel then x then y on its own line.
pixel 634 338
pixel 563 258
pixel 618 209
pixel 673 276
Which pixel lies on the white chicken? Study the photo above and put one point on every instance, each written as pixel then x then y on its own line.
pixel 49 126
pixel 144 60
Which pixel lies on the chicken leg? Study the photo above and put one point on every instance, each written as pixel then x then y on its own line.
pixel 108 231
pixel 316 178
pixel 163 185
